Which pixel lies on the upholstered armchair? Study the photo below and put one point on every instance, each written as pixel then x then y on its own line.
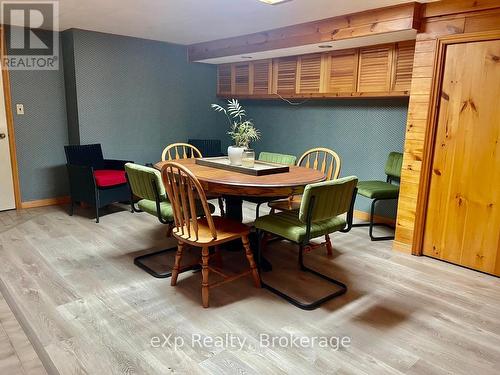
pixel 94 180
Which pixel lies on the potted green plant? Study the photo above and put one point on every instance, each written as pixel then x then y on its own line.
pixel 242 131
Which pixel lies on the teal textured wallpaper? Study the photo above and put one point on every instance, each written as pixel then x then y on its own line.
pixel 132 95
pixel 136 96
pixel 361 131
pixel 41 132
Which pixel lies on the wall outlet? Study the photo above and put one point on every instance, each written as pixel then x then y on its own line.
pixel 20 109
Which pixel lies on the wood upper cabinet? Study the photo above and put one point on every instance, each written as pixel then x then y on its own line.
pixel 384 70
pixel 285 75
pixel 261 73
pixel 242 79
pixel 224 79
pixel 404 53
pixel 342 71
pixel 375 65
pixel 309 73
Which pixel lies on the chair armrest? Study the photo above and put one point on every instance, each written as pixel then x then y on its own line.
pixel 115 164
pixel 82 183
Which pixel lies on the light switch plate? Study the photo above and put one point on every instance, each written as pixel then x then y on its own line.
pixel 20 109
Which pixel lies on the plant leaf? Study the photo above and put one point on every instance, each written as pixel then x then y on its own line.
pixel 241 132
pixel 218 108
pixel 234 108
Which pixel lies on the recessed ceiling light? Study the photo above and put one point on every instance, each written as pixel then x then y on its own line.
pixel 325 46
pixel 274 2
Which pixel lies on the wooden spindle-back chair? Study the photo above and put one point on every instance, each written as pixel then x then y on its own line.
pixel 321 159
pixel 176 151
pixel 185 194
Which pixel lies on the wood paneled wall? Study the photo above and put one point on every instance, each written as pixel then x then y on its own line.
pixel 383 70
pixel 440 19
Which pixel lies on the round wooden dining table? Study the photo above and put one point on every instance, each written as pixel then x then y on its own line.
pixel 235 186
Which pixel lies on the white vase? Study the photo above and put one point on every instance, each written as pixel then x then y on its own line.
pixel 235 154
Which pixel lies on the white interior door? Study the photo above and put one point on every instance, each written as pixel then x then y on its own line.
pixel 7 198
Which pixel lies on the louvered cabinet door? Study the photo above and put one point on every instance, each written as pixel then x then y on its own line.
pixel 342 71
pixel 375 69
pixel 242 79
pixel 285 75
pixel 309 71
pixel 262 73
pixel 403 65
pixel 224 80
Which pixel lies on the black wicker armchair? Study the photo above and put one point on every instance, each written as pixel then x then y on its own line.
pixel 94 180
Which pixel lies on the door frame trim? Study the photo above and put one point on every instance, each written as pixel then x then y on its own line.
pixel 10 124
pixel 432 122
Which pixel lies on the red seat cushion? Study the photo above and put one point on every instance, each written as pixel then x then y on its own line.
pixel 107 177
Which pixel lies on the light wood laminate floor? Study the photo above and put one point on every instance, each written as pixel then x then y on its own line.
pixel 88 310
pixel 17 356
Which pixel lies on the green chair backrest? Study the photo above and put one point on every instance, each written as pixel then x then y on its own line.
pixel 331 198
pixel 140 178
pixel 272 157
pixel 394 164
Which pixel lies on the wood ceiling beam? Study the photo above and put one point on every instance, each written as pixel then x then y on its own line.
pixel 371 22
pixel 443 8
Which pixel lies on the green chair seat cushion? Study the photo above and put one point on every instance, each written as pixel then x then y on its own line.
pixel 273 157
pixel 149 206
pixel 167 214
pixel 286 224
pixel 378 190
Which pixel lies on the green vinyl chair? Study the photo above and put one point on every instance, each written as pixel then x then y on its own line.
pixel 271 157
pixel 146 184
pixel 382 190
pixel 321 212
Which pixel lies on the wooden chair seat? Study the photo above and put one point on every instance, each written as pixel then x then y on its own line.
pixel 184 191
pixel 289 204
pixel 227 230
